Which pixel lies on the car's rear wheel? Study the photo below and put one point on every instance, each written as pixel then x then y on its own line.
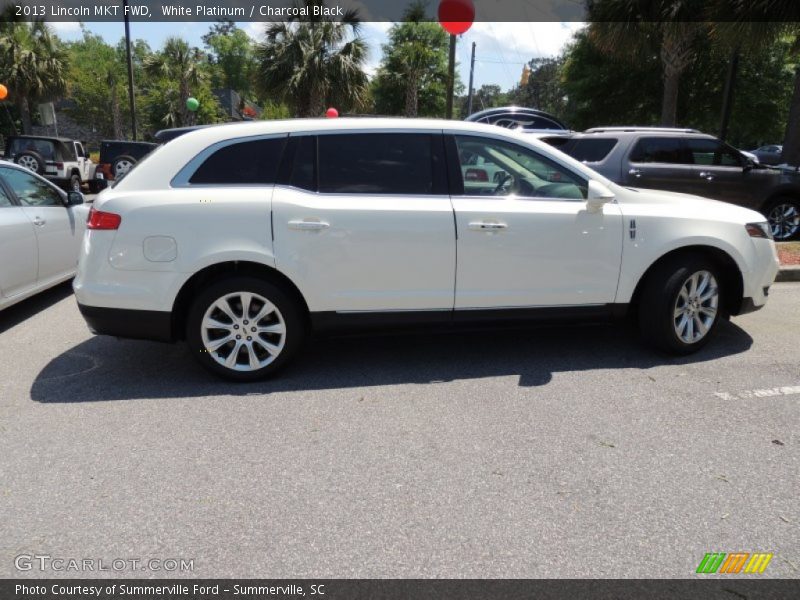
pixel 680 305
pixel 244 328
pixel 122 165
pixel 783 215
pixel 75 183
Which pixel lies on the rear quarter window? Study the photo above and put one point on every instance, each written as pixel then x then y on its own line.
pixel 590 150
pixel 242 163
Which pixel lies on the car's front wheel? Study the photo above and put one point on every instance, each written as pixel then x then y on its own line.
pixel 244 328
pixel 680 305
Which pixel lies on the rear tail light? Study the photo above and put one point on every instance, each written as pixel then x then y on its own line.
pixel 102 220
pixel 476 175
pixel 59 165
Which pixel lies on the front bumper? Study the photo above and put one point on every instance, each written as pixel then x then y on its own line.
pixel 135 324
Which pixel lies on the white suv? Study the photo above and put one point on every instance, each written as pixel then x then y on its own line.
pixel 242 239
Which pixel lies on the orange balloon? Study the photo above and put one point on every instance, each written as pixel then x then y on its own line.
pixel 3 92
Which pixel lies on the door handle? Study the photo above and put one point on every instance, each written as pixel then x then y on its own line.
pixel 486 226
pixel 300 225
pixel 707 175
pixel 39 222
pixel 635 172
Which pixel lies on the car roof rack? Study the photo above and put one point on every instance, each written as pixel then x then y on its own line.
pixel 634 128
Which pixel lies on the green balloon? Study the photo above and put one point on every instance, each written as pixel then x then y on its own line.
pixel 192 104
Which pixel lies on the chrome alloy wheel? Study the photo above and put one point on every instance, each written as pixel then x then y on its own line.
pixel 121 167
pixel 29 163
pixel 243 331
pixel 784 219
pixel 696 307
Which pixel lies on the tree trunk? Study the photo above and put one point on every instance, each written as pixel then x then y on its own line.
pixel 412 95
pixel 791 140
pixel 25 115
pixel 669 102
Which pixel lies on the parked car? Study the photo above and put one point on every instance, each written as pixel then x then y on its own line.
pixel 63 161
pixel 117 157
pixel 686 160
pixel 768 155
pixel 41 228
pixel 513 117
pixel 242 239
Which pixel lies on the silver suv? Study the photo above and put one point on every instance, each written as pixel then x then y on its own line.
pixel 688 161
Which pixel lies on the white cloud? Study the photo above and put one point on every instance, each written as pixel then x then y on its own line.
pixel 66 29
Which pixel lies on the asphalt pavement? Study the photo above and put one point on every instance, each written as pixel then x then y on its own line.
pixel 557 452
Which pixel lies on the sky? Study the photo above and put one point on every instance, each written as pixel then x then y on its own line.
pixel 501 48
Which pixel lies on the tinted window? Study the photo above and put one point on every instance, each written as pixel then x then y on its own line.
pixel 376 163
pixel 492 167
pixel 590 150
pixel 713 152
pixel 659 150
pixel 253 162
pixel 31 190
pixel 304 169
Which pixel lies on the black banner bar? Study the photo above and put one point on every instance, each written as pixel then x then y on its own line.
pixel 730 588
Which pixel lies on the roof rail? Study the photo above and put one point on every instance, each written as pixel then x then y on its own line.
pixel 637 128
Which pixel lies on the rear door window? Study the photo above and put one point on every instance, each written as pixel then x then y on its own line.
pixel 376 163
pixel 242 163
pixel 659 150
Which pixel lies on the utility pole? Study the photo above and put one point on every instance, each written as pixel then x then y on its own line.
pixel 471 73
pixel 727 94
pixel 451 77
pixel 131 98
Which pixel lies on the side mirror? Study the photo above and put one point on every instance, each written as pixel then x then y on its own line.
pixel 74 198
pixel 598 195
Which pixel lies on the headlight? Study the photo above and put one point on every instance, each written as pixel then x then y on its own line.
pixel 759 230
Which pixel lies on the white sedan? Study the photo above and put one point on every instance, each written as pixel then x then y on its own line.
pixel 41 228
pixel 241 239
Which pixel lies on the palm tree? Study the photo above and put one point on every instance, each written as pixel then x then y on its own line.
pixel 33 66
pixel 414 55
pixel 178 62
pixel 629 28
pixel 312 62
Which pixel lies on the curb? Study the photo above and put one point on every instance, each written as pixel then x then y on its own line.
pixel 788 273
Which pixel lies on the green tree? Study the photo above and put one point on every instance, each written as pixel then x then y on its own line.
pixel 179 75
pixel 231 56
pixel 313 62
pixel 632 30
pixel 98 85
pixel 543 89
pixel 414 61
pixel 33 65
pixel 488 95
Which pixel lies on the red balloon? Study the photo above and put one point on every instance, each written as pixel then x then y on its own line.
pixel 456 16
pixel 3 92
pixel 331 113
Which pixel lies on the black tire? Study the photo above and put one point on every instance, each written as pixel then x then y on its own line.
pixel 32 161
pixel 119 161
pixel 74 184
pixel 783 215
pixel 659 303
pixel 293 322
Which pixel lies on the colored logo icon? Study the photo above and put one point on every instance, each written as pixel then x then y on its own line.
pixel 735 562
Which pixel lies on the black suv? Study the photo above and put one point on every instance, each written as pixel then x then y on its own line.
pixel 686 160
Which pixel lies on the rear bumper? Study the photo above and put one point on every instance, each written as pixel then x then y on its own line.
pixel 125 323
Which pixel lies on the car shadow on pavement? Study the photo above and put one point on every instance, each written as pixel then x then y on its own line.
pixel 16 314
pixel 104 368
